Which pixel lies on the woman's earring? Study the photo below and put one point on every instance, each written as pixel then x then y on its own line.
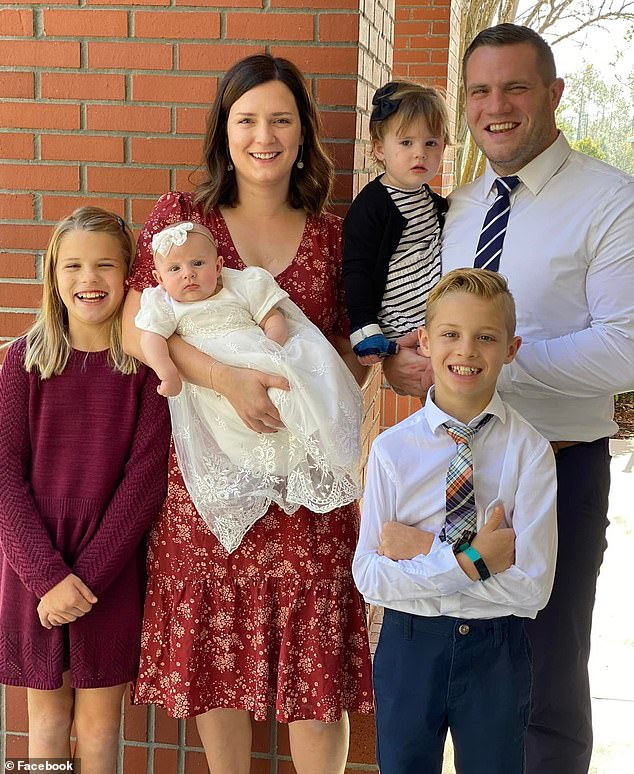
pixel 300 163
pixel 229 166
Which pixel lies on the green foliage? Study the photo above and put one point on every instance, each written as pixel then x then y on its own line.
pixel 598 118
pixel 588 146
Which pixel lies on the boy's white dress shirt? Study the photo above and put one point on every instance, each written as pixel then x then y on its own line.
pixel 512 463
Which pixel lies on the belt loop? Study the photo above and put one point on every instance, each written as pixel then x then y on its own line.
pixel 408 625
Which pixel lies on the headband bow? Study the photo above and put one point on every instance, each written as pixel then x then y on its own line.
pixel 384 107
pixel 174 235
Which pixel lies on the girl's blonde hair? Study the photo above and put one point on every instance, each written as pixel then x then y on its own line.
pixel 48 344
pixel 409 102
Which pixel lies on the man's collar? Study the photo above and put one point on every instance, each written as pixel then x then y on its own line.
pixel 437 417
pixel 537 172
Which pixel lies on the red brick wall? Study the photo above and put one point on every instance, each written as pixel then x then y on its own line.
pixel 108 104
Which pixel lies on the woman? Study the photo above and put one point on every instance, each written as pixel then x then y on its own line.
pixel 278 622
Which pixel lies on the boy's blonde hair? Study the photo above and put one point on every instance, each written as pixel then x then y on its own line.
pixel 48 344
pixel 414 102
pixel 488 285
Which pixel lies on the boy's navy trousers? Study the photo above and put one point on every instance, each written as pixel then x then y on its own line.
pixel 472 676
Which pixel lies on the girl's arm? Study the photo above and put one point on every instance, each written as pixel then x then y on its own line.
pixel 245 388
pixel 275 326
pixel 363 232
pixel 24 538
pixel 138 498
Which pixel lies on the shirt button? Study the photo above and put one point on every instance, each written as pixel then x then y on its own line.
pixel 463 629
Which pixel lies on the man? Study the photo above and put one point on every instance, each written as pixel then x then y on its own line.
pixel 568 253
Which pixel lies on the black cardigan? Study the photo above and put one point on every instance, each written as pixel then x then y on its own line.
pixel 372 230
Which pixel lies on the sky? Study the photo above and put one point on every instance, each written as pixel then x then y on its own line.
pixel 594 45
pixel 605 49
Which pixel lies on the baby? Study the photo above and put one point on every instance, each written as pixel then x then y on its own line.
pixel 244 319
pixel 189 269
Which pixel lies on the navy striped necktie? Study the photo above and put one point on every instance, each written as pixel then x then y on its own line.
pixel 494 227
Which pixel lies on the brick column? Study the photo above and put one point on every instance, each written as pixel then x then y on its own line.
pixel 426 44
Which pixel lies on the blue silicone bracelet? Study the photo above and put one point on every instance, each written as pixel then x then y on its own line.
pixel 478 561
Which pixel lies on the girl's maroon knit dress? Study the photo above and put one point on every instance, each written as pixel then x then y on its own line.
pixel 83 474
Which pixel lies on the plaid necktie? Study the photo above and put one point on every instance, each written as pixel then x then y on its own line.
pixel 493 231
pixel 460 520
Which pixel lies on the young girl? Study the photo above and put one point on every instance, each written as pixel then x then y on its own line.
pixel 391 235
pixel 244 318
pixel 83 442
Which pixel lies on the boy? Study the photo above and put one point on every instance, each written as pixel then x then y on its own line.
pixel 457 569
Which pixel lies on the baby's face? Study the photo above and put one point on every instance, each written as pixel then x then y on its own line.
pixel 189 272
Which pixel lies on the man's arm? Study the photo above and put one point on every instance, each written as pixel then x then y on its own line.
pixel 598 360
pixel 409 372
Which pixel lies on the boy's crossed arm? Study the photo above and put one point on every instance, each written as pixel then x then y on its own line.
pixel 494 543
pixel 395 562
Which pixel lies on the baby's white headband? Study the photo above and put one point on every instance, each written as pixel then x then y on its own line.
pixel 163 242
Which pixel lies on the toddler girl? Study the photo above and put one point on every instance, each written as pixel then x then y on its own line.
pixel 243 318
pixel 391 235
pixel 83 441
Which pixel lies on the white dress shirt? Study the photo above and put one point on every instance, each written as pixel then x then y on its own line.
pixel 513 465
pixel 569 258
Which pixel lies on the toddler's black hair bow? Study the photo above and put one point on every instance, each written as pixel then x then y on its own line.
pixel 384 107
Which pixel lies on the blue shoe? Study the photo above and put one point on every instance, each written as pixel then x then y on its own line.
pixel 375 345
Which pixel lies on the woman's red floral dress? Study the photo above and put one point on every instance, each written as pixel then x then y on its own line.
pixel 278 623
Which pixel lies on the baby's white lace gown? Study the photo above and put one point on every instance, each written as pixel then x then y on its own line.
pixel 232 473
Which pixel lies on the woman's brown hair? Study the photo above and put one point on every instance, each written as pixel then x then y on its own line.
pixel 309 187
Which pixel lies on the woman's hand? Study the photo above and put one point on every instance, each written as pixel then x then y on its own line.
pixel 67 601
pixel 359 371
pixel 246 390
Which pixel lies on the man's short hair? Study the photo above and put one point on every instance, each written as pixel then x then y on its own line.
pixel 509 35
pixel 488 285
